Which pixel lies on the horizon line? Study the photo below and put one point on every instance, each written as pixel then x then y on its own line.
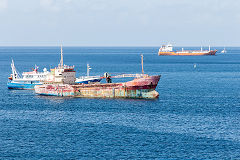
pixel 107 46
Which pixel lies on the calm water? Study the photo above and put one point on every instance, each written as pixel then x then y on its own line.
pixel 197 115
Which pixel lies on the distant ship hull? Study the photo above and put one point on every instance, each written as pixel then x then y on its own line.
pixel 187 53
pixel 138 88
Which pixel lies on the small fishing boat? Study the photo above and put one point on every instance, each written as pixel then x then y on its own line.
pixel 88 79
pixel 27 80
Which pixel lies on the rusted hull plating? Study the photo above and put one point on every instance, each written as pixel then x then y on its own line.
pixel 137 88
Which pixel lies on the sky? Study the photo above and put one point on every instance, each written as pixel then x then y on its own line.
pixel 119 22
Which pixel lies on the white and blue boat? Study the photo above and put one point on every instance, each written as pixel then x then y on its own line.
pixel 88 79
pixel 27 80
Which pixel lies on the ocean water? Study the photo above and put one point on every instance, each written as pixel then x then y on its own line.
pixel 197 115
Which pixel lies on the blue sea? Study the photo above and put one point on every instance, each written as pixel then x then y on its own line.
pixel 197 114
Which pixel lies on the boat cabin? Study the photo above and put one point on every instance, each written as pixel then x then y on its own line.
pixel 166 48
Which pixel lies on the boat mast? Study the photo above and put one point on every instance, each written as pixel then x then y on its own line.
pixel 88 69
pixel 209 48
pixel 61 61
pixel 142 63
pixel 14 71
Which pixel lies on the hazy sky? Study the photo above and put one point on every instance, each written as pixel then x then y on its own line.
pixel 120 22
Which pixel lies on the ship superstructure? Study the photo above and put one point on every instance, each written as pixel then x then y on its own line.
pixel 62 74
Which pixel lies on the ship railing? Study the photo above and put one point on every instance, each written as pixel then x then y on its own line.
pixel 87 77
pixel 129 75
pixel 68 67
pixel 65 67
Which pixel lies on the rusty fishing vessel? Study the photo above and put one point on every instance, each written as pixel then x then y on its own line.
pixel 61 82
pixel 167 50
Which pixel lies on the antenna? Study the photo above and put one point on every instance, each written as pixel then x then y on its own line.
pixel 142 63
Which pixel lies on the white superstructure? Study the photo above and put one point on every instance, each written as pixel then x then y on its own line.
pixel 62 74
pixel 34 75
pixel 166 48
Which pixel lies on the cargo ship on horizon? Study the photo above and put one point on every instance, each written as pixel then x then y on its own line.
pixel 167 50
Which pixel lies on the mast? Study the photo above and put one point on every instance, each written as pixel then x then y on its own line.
pixel 61 61
pixel 142 63
pixel 209 48
pixel 88 69
pixel 36 68
pixel 201 48
pixel 14 71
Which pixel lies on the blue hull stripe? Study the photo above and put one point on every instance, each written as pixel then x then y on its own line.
pixel 21 85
